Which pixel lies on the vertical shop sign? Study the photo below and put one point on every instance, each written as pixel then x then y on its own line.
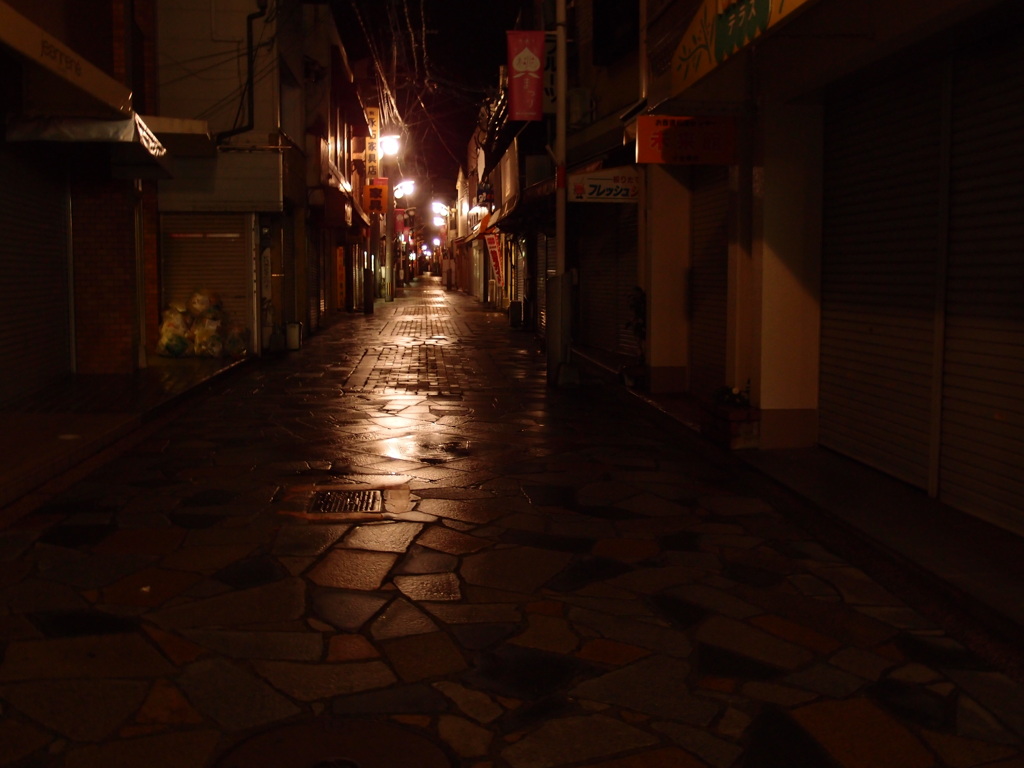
pixel 525 75
pixel 375 196
pixel 370 155
pixel 494 249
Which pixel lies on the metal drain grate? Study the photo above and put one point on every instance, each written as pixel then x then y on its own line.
pixel 340 502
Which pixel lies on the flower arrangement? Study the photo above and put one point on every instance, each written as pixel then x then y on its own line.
pixel 731 420
pixel 733 396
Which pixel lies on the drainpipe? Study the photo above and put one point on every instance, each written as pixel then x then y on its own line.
pixel 250 79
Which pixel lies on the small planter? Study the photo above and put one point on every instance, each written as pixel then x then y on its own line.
pixel 634 376
pixel 731 426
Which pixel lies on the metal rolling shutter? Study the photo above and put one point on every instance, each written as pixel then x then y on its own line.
pixel 608 233
pixel 520 268
pixel 982 456
pixel 208 252
pixel 881 219
pixel 35 337
pixel 708 278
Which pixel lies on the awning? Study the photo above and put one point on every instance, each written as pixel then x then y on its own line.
pixel 59 81
pixel 481 229
pixel 718 30
pixel 136 152
pixel 182 137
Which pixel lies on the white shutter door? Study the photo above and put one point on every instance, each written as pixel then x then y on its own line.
pixel 881 219
pixel 982 457
pixel 208 252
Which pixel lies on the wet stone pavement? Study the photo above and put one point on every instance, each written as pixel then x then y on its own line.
pixel 399 547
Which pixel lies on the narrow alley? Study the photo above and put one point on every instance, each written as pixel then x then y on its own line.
pixel 398 546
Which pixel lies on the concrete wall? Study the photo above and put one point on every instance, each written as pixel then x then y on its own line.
pixel 202 59
pixel 667 245
pixel 231 181
pixel 787 250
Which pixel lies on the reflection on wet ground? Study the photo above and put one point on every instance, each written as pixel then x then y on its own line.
pixel 399 546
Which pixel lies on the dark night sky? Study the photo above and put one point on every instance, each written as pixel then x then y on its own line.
pixel 442 82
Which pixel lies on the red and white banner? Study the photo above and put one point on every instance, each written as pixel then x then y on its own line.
pixel 494 249
pixel 525 75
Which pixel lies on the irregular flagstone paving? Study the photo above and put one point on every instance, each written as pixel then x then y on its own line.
pixel 399 546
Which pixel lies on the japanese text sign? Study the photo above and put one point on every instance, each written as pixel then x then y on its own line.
pixel 371 156
pixel 608 185
pixel 375 196
pixel 672 140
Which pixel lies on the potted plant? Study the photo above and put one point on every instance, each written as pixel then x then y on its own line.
pixel 730 419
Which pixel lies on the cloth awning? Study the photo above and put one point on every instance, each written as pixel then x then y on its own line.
pixel 182 137
pixel 57 79
pixel 136 152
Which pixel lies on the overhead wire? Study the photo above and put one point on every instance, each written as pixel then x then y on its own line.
pixel 388 102
pixel 262 74
pixel 219 59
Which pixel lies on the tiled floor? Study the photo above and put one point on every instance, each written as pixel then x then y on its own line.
pixel 551 578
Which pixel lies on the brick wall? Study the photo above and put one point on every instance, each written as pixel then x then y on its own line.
pixel 103 245
pixel 151 248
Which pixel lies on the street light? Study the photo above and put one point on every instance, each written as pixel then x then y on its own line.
pixel 389 145
pixel 404 188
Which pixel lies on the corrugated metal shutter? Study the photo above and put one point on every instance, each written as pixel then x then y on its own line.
pixel 607 275
pixel 519 244
pixel 35 337
pixel 208 252
pixel 481 268
pixel 543 267
pixel 708 277
pixel 982 456
pixel 881 222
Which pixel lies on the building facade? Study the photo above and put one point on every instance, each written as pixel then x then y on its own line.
pixel 859 261
pixel 157 153
pixel 77 172
pixel 266 213
pixel 827 225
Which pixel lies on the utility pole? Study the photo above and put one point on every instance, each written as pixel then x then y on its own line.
pixel 559 293
pixel 389 223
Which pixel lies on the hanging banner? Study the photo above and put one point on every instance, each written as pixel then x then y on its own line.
pixel 672 140
pixel 525 75
pixel 494 249
pixel 608 185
